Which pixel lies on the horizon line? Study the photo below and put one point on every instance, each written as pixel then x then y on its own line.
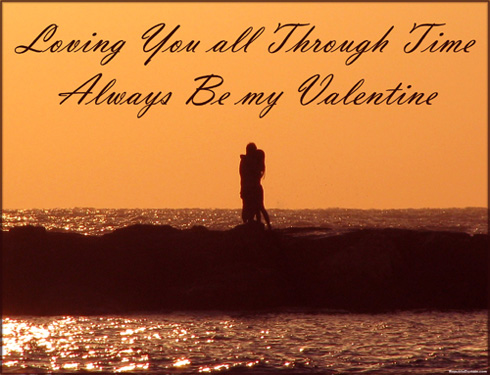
pixel 239 208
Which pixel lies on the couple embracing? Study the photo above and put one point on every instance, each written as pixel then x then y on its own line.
pixel 252 169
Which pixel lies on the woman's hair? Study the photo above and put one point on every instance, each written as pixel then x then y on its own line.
pixel 251 147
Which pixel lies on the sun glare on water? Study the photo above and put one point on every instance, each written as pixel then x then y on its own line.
pixel 201 343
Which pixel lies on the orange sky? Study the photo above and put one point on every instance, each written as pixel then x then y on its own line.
pixel 185 156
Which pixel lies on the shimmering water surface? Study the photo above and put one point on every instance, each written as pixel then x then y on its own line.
pixel 100 221
pixel 424 342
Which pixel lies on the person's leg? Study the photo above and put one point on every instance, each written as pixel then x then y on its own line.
pixel 248 210
pixel 257 215
pixel 244 212
pixel 266 217
pixel 262 207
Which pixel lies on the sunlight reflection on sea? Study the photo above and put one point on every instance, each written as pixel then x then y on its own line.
pixel 211 343
pixel 425 342
pixel 92 221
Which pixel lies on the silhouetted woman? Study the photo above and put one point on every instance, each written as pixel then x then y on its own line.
pixel 260 154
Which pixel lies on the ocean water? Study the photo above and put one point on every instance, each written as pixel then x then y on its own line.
pixel 94 221
pixel 405 342
pixel 326 342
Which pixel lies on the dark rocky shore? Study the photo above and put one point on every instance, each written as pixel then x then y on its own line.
pixel 146 268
